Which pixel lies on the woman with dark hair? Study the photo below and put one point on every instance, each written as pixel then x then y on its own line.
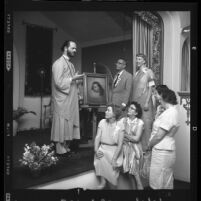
pixel 157 92
pixel 132 127
pixel 96 86
pixel 162 142
pixel 107 147
pixel 97 89
pixel 97 93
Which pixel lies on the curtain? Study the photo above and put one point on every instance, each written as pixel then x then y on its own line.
pixel 142 40
pixel 185 69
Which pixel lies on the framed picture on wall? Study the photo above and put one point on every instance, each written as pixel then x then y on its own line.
pixel 93 89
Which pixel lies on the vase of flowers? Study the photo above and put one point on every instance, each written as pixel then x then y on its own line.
pixel 16 115
pixel 38 158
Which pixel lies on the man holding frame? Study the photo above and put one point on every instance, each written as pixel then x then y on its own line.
pixel 65 124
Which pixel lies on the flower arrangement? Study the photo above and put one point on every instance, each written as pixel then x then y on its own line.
pixel 20 112
pixel 38 158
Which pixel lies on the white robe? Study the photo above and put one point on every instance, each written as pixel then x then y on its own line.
pixel 65 124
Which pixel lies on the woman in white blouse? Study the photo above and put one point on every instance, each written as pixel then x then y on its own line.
pixel 162 142
pixel 108 143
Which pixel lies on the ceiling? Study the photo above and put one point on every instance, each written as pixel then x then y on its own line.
pixel 86 26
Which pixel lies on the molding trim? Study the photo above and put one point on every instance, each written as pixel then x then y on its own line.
pixel 185 95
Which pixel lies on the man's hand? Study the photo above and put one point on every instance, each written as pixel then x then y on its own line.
pixel 114 164
pixel 77 76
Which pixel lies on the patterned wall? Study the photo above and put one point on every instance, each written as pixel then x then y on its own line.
pixel 156 23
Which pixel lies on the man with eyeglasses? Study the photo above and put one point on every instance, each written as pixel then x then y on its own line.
pixel 122 84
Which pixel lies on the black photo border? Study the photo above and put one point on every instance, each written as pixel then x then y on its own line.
pixel 80 194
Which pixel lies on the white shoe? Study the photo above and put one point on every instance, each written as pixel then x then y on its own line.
pixel 140 187
pixel 102 184
pixel 100 187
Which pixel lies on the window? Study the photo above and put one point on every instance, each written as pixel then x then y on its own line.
pixel 38 60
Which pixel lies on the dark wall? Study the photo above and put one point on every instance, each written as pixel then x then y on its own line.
pixel 107 55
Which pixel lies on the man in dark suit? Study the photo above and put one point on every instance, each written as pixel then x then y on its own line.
pixel 122 84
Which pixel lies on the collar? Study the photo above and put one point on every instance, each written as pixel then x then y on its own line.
pixel 120 72
pixel 168 106
pixel 144 70
pixel 132 121
pixel 66 57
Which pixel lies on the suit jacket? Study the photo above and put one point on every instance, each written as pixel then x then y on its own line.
pixel 122 91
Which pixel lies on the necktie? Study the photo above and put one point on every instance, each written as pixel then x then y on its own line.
pixel 117 77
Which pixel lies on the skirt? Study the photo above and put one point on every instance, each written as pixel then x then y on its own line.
pixel 161 169
pixel 103 166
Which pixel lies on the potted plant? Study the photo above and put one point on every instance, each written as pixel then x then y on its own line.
pixel 16 115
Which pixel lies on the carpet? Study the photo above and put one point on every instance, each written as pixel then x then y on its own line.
pixel 80 161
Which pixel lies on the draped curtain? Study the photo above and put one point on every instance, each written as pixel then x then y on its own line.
pixel 142 40
pixel 185 69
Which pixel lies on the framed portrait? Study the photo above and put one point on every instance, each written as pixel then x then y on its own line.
pixel 93 89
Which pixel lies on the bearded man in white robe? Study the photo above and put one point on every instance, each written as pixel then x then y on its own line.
pixel 65 123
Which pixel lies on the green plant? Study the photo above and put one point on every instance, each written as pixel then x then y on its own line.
pixel 20 112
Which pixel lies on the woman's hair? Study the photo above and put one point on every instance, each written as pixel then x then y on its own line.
pixel 160 88
pixel 117 110
pixel 169 96
pixel 138 109
pixel 143 56
pixel 100 87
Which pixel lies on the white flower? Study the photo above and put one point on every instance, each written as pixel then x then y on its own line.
pixel 123 105
pixel 36 157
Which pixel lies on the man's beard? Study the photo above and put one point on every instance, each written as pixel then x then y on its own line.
pixel 71 54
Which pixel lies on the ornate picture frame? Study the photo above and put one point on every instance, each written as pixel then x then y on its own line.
pixel 93 89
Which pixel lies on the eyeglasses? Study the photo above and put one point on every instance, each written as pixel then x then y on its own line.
pixel 119 63
pixel 132 108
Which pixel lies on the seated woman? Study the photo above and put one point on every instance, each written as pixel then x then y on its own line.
pixel 132 127
pixel 162 142
pixel 108 146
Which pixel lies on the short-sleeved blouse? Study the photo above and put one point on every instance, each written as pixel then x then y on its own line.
pixel 167 120
pixel 107 132
pixel 132 124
